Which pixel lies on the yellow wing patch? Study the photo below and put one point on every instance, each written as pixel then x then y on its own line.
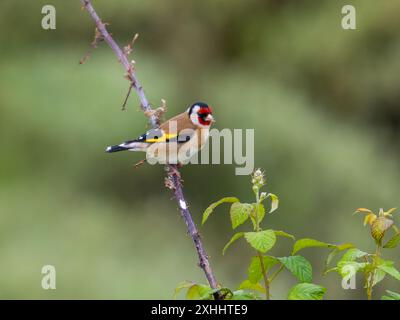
pixel 163 138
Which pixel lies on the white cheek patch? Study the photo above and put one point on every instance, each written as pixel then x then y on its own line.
pixel 194 117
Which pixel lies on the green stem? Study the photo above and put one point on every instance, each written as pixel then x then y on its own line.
pixel 274 275
pixel 260 256
pixel 264 273
pixel 370 281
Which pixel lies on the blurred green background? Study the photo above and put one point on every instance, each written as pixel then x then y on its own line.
pixel 324 103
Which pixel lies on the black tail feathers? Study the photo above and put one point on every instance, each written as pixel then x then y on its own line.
pixel 116 148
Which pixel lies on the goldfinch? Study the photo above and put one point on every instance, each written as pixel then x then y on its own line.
pixel 176 140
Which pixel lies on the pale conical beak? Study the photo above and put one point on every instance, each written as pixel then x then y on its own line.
pixel 210 118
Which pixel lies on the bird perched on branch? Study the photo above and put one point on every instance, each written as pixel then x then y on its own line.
pixel 176 140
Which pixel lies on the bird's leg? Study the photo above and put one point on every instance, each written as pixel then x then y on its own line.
pixel 139 163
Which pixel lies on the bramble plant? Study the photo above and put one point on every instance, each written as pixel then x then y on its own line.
pixel 372 265
pixel 263 269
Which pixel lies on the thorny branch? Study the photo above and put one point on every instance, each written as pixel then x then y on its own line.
pixel 173 178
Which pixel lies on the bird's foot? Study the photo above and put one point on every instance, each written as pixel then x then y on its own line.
pixel 173 170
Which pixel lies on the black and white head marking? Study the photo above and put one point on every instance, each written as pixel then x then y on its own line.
pixel 197 112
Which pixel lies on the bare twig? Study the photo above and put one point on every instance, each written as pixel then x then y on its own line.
pixel 173 173
pixel 129 47
pixel 96 39
pixel 145 105
pixel 123 108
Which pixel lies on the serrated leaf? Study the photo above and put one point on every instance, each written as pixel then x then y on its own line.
pixel 334 252
pixel 308 243
pixel 233 239
pixel 261 240
pixel 391 296
pixel 212 206
pixel 182 285
pixel 387 266
pixel 379 227
pixel 306 291
pixel 298 266
pixel 353 254
pixel 239 213
pixel 284 234
pixel 393 242
pixel 348 269
pixel 260 216
pixel 244 295
pixel 198 292
pixel 247 284
pixel 274 202
pixel 254 271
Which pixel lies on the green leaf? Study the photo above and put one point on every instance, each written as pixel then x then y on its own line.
pixel 329 259
pixel 247 284
pixel 369 219
pixel 353 254
pixel 391 296
pixel 307 243
pixel 240 212
pixel 198 292
pixel 379 275
pixel 212 206
pixel 182 285
pixel 348 269
pixel 379 227
pixel 233 239
pixel 387 266
pixel 389 212
pixel 260 216
pixel 306 291
pixel 335 251
pixel 274 202
pixel 393 242
pixel 284 234
pixel 243 295
pixel 254 271
pixel 261 240
pixel 363 210
pixel 344 246
pixel 299 267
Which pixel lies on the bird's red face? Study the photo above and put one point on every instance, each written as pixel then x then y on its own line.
pixel 201 114
pixel 205 116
